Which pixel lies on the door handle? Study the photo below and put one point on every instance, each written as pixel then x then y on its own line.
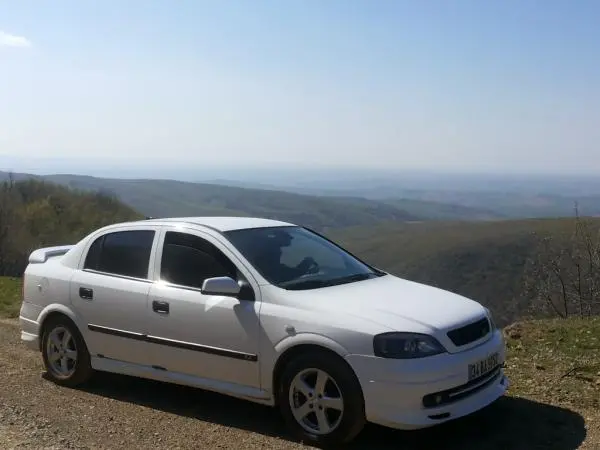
pixel 160 307
pixel 86 293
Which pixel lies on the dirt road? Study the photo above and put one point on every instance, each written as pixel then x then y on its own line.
pixel 123 412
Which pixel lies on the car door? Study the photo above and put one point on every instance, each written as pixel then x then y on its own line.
pixel 110 293
pixel 208 336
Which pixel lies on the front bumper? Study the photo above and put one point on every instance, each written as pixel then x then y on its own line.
pixel 396 391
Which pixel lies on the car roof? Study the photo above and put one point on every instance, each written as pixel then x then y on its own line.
pixel 221 224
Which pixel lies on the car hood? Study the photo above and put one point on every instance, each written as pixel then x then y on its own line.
pixel 396 303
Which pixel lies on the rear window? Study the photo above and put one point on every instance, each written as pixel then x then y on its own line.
pixel 124 253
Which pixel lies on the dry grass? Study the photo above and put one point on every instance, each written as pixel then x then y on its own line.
pixel 553 402
pixel 10 296
pixel 556 361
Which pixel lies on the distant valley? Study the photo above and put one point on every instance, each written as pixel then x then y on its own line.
pixel 468 201
pixel 322 206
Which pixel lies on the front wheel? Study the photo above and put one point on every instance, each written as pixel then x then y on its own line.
pixel 321 400
pixel 66 357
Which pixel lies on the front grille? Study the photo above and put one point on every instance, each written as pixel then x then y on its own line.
pixel 470 333
pixel 455 394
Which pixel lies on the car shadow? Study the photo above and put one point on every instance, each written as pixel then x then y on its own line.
pixel 510 423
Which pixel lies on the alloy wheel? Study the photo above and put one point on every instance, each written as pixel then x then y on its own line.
pixel 316 401
pixel 61 352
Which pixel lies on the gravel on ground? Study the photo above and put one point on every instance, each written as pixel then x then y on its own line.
pixel 119 412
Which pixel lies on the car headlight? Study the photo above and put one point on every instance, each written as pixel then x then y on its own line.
pixel 491 319
pixel 400 345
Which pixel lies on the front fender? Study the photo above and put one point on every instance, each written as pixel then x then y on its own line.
pixel 311 339
pixel 270 359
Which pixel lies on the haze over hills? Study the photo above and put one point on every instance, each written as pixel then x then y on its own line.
pixel 356 199
pixel 160 198
pixel 500 196
pixel 379 183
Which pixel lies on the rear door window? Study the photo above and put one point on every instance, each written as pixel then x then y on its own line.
pixel 125 253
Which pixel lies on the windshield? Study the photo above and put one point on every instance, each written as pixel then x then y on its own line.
pixel 296 258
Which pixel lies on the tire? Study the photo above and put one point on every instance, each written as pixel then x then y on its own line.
pixel 66 365
pixel 341 382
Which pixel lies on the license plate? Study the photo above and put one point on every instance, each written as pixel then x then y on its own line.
pixel 483 366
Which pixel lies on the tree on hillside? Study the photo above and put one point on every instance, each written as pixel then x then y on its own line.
pixel 567 278
pixel 9 203
pixel 37 214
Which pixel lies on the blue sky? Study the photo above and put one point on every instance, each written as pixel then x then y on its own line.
pixel 504 86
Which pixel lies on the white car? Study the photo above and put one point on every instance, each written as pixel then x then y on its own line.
pixel 266 311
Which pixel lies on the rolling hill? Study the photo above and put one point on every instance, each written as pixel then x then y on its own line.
pixel 162 198
pixel 467 197
pixel 495 263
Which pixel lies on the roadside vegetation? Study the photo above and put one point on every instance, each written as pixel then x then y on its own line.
pixel 516 268
pixel 35 214
pixel 556 361
pixel 10 296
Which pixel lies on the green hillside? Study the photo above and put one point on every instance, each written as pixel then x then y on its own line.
pixel 502 264
pixel 35 214
pixel 511 204
pixel 433 210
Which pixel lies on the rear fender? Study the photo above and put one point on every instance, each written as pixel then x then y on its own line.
pixel 60 309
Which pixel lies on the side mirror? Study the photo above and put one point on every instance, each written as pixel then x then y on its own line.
pixel 221 286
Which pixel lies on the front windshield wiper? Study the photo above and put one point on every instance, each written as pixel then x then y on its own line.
pixel 319 283
pixel 352 278
pixel 305 284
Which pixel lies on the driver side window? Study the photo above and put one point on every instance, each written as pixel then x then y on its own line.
pixel 188 260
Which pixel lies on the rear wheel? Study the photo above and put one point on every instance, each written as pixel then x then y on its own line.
pixel 66 357
pixel 321 400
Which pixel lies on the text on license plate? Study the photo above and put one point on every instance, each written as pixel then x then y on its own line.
pixel 483 366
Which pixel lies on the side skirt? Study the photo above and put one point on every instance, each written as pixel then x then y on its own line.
pixel 254 395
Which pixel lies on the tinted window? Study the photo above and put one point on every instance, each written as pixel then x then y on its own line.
pixel 296 258
pixel 122 253
pixel 188 260
pixel 325 256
